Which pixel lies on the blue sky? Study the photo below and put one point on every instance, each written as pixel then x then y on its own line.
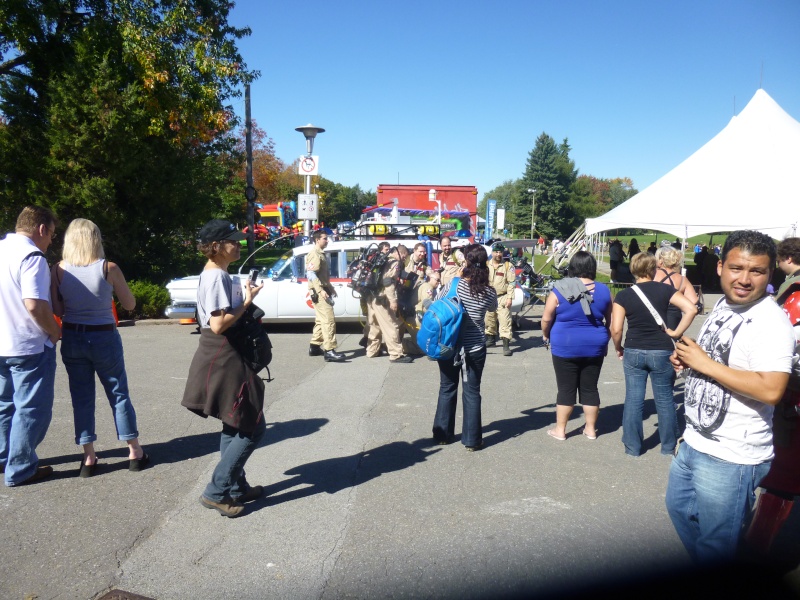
pixel 456 92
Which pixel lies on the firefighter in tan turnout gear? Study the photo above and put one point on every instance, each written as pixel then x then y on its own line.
pixel 502 277
pixel 412 277
pixel 452 261
pixel 323 339
pixel 382 312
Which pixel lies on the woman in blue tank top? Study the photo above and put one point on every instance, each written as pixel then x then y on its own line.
pixel 575 322
pixel 82 287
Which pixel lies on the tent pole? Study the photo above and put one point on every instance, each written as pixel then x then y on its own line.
pixel 683 249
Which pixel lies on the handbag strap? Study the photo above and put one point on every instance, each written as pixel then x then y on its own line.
pixel 649 306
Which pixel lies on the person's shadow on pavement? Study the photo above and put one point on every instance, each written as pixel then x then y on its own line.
pixel 335 474
pixel 185 448
pixel 503 430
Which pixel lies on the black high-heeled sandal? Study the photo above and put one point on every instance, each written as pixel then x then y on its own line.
pixel 137 464
pixel 88 470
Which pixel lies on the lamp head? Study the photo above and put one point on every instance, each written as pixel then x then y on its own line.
pixel 310 132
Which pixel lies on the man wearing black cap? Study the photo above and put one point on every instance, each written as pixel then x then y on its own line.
pixel 502 277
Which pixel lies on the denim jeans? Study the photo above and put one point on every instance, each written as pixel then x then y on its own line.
pixel 26 407
pixel 87 353
pixel 445 420
pixel 235 446
pixel 709 500
pixel 638 364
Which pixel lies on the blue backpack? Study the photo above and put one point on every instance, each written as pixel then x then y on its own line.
pixel 439 335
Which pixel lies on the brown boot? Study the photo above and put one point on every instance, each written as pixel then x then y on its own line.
pixel 228 507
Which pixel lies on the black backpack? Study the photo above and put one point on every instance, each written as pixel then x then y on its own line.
pixel 249 338
pixel 365 271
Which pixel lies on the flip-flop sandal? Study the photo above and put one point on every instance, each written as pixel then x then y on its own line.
pixel 554 436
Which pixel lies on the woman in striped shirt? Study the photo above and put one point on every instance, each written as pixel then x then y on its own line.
pixel 477 297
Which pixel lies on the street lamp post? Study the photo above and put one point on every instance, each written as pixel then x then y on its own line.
pixel 533 206
pixel 433 197
pixel 310 132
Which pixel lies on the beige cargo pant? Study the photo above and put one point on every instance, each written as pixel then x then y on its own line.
pixel 383 323
pixel 324 333
pixel 502 318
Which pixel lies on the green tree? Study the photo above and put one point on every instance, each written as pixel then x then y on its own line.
pixel 508 194
pixel 591 197
pixel 342 203
pixel 115 111
pixel 620 190
pixel 551 172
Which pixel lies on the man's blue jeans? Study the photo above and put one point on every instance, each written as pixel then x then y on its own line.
pixel 445 420
pixel 87 353
pixel 638 364
pixel 709 501
pixel 235 446
pixel 26 407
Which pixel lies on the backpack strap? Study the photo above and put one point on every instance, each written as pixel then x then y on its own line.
pixel 34 253
pixel 27 256
pixel 453 291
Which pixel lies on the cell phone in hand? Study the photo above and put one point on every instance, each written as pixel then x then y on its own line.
pixel 253 276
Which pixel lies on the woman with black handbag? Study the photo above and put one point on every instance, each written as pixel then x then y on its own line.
pixel 221 382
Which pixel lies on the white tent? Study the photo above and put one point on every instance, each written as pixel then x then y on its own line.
pixel 745 177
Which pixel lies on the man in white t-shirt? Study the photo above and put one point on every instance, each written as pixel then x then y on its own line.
pixel 738 371
pixel 28 336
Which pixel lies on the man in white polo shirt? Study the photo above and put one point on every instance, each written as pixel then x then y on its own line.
pixel 28 336
pixel 738 371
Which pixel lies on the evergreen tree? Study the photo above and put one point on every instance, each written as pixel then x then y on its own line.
pixel 551 172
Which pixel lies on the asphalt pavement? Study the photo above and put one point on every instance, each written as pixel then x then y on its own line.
pixel 359 502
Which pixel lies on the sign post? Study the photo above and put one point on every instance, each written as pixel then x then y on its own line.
pixel 308 167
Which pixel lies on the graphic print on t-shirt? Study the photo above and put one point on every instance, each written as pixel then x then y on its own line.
pixel 706 401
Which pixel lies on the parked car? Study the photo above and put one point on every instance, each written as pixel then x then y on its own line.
pixel 285 297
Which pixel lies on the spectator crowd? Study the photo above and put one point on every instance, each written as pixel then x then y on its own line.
pixel 740 376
